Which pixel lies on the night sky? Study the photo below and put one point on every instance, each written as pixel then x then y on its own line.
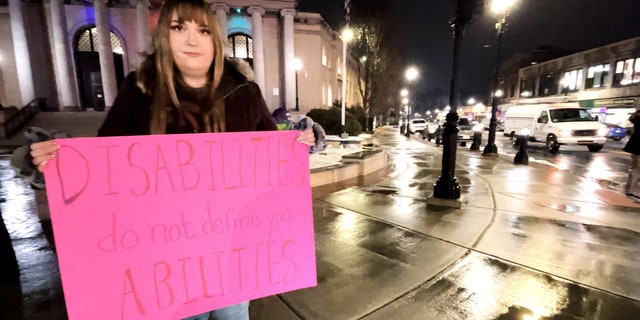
pixel 425 34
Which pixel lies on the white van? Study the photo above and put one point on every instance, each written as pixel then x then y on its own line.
pixel 556 124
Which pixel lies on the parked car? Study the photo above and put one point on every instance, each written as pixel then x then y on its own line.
pixel 417 125
pixel 431 131
pixel 465 132
pixel 615 132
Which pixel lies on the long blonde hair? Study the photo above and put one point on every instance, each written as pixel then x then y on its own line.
pixel 158 72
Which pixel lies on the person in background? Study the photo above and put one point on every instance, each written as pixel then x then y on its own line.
pixel 633 147
pixel 283 120
pixel 186 85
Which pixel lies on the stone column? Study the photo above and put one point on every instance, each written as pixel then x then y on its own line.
pixel 221 11
pixel 289 57
pixel 258 45
pixel 142 23
pixel 107 68
pixel 21 51
pixel 66 87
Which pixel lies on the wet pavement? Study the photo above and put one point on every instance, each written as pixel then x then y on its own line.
pixel 530 242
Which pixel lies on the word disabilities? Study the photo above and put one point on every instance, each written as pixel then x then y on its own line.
pixel 136 168
pixel 169 226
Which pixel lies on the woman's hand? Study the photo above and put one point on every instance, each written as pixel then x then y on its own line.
pixel 307 137
pixel 42 152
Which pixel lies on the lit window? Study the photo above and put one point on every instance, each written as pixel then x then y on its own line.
pixel 571 80
pixel 241 46
pixel 548 85
pixel 339 67
pixel 87 41
pixel 597 76
pixel 527 87
pixel 627 72
pixel 324 56
pixel 329 96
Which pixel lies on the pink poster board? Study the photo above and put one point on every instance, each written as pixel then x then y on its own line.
pixel 168 226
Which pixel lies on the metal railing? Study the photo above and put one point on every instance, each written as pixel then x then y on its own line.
pixel 17 121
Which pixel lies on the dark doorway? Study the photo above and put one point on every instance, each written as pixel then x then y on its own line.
pixel 88 67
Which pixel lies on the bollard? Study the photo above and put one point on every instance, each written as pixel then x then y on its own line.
pixel 439 136
pixel 477 141
pixel 522 157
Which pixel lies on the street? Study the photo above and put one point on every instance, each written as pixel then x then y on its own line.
pixel 608 166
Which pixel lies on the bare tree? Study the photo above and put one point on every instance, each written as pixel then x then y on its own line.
pixel 377 60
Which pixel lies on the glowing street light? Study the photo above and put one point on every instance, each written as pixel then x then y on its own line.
pixel 347 36
pixel 501 8
pixel 411 74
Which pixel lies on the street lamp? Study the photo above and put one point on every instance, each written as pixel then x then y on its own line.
pixel 411 74
pixel 501 8
pixel 447 185
pixel 347 35
pixel 297 64
pixel 404 93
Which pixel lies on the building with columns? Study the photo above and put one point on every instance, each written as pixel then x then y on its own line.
pixel 76 53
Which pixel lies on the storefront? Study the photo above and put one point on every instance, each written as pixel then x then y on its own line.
pixel 614 111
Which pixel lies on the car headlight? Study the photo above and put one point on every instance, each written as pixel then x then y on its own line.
pixel 602 131
pixel 564 133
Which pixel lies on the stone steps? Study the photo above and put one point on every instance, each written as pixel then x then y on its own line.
pixel 76 124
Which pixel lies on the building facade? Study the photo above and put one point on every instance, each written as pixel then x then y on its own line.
pixel 606 80
pixel 76 53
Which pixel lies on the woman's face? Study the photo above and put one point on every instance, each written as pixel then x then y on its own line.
pixel 192 50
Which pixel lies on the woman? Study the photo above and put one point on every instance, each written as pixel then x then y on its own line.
pixel 186 86
pixel 633 147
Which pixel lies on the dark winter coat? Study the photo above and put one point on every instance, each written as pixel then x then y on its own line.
pixel 245 109
pixel 633 145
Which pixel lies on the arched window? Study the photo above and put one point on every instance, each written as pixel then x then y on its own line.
pixel 87 60
pixel 241 46
pixel 88 42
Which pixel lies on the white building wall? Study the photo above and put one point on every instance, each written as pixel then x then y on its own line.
pixel 309 50
pixel 273 61
pixel 9 92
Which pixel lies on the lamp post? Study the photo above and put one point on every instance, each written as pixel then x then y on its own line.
pixel 411 74
pixel 500 7
pixel 404 100
pixel 297 64
pixel 447 186
pixel 347 35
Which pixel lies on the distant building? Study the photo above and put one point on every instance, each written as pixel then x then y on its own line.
pixel 76 53
pixel 605 79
